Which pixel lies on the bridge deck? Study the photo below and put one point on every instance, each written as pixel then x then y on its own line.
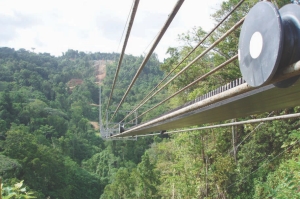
pixel 240 101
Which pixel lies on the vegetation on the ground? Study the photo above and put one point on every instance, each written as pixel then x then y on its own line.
pixel 49 149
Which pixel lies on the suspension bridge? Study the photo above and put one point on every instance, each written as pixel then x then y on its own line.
pixel 268 55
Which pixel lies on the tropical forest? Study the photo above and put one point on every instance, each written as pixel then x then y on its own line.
pixel 51 145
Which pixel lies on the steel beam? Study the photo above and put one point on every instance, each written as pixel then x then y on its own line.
pixel 239 101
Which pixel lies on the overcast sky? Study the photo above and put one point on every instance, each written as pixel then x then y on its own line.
pixel 54 26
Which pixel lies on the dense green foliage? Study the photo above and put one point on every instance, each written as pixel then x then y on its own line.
pixel 46 136
pixel 149 78
pixel 48 145
pixel 16 192
pixel 249 161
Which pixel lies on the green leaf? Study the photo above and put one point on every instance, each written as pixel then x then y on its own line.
pixel 9 196
pixel 292 184
pixel 29 196
pixel 294 142
pixel 23 189
pixel 19 185
pixel 284 145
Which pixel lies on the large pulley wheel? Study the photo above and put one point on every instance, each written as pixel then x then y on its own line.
pixel 290 15
pixel 269 41
pixel 260 44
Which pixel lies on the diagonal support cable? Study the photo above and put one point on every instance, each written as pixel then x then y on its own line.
pixel 191 84
pixel 162 32
pixel 145 98
pixel 244 88
pixel 233 28
pixel 134 9
pixel 266 119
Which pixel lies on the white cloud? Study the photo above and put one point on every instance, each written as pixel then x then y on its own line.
pixel 96 25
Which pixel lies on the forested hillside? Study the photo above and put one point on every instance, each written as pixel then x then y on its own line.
pixel 248 161
pixel 46 136
pixel 49 149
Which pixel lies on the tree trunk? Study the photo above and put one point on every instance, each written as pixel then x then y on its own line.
pixel 221 194
pixel 233 130
pixel 204 166
pixel 173 191
pixel 0 187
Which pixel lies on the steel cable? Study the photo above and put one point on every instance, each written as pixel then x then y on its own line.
pixel 280 117
pixel 145 98
pixel 134 9
pixel 125 24
pixel 191 84
pixel 163 30
pixel 239 23
pixel 288 72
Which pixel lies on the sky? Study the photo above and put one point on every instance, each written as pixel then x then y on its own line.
pixel 54 26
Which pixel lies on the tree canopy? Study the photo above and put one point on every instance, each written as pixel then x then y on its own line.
pixel 49 149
